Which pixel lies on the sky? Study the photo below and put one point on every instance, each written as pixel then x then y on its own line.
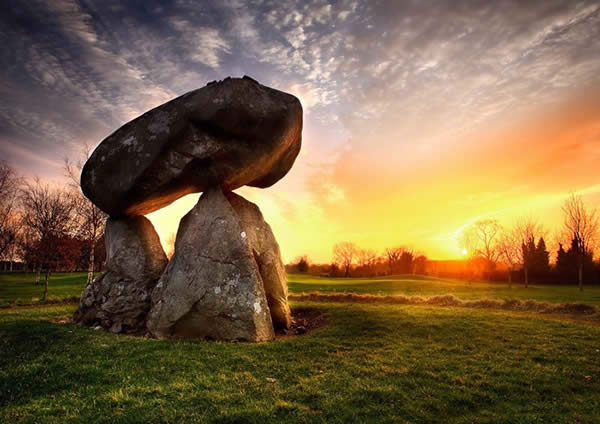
pixel 420 117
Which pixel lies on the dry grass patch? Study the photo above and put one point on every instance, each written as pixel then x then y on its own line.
pixel 589 312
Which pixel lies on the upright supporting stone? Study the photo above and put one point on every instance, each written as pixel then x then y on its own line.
pixel 120 298
pixel 213 287
pixel 267 255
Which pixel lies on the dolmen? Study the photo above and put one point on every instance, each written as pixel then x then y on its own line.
pixel 226 279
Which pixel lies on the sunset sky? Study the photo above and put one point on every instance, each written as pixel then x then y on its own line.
pixel 420 117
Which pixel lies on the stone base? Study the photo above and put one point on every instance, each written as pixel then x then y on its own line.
pixel 115 303
pixel 119 299
pixel 226 280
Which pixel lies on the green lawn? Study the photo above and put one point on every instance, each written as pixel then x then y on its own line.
pixel 19 288
pixel 372 363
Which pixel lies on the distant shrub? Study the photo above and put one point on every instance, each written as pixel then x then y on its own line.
pixel 302 264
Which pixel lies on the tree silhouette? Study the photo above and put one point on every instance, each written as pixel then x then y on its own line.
pixel 49 221
pixel 344 254
pixel 581 224
pixel 567 263
pixel 367 259
pixel 526 231
pixel 420 265
pixel 91 220
pixel 302 264
pixel 10 219
pixel 393 256
pixel 541 260
pixel 403 260
pixel 406 262
pixel 482 240
pixel 509 248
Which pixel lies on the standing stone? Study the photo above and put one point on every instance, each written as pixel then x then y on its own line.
pixel 213 287
pixel 120 298
pixel 267 255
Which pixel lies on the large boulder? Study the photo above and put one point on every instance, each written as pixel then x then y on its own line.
pixel 214 286
pixel 120 298
pixel 230 133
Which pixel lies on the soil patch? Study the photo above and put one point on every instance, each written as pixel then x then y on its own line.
pixel 304 321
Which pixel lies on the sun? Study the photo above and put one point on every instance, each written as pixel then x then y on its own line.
pixel 464 252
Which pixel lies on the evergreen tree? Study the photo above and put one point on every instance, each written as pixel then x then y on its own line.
pixel 529 253
pixel 563 265
pixel 541 259
pixel 567 263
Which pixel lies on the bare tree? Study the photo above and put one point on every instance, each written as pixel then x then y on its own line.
pixel 27 244
pixel 366 258
pixel 509 247
pixel 49 221
pixel 9 181
pixel 393 255
pixel 581 224
pixel 344 254
pixel 481 239
pixel 10 219
pixel 91 220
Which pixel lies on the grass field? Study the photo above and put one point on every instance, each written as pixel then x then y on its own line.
pixel 372 363
pixel 18 288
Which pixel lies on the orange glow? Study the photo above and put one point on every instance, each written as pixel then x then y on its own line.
pixel 378 196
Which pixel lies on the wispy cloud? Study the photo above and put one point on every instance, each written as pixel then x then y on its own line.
pixel 393 91
pixel 203 44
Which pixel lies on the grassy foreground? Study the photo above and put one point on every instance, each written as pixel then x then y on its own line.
pixel 20 289
pixel 372 363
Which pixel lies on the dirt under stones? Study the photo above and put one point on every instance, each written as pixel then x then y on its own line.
pixel 304 321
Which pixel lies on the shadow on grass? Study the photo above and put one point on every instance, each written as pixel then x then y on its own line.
pixel 32 366
pixel 42 361
pixel 372 363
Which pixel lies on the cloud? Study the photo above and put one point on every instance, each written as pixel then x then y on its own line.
pixel 203 44
pixel 399 97
pixel 296 37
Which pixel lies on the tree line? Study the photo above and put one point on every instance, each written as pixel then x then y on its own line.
pixel 350 260
pixel 46 228
pixel 522 248
pixel 515 253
